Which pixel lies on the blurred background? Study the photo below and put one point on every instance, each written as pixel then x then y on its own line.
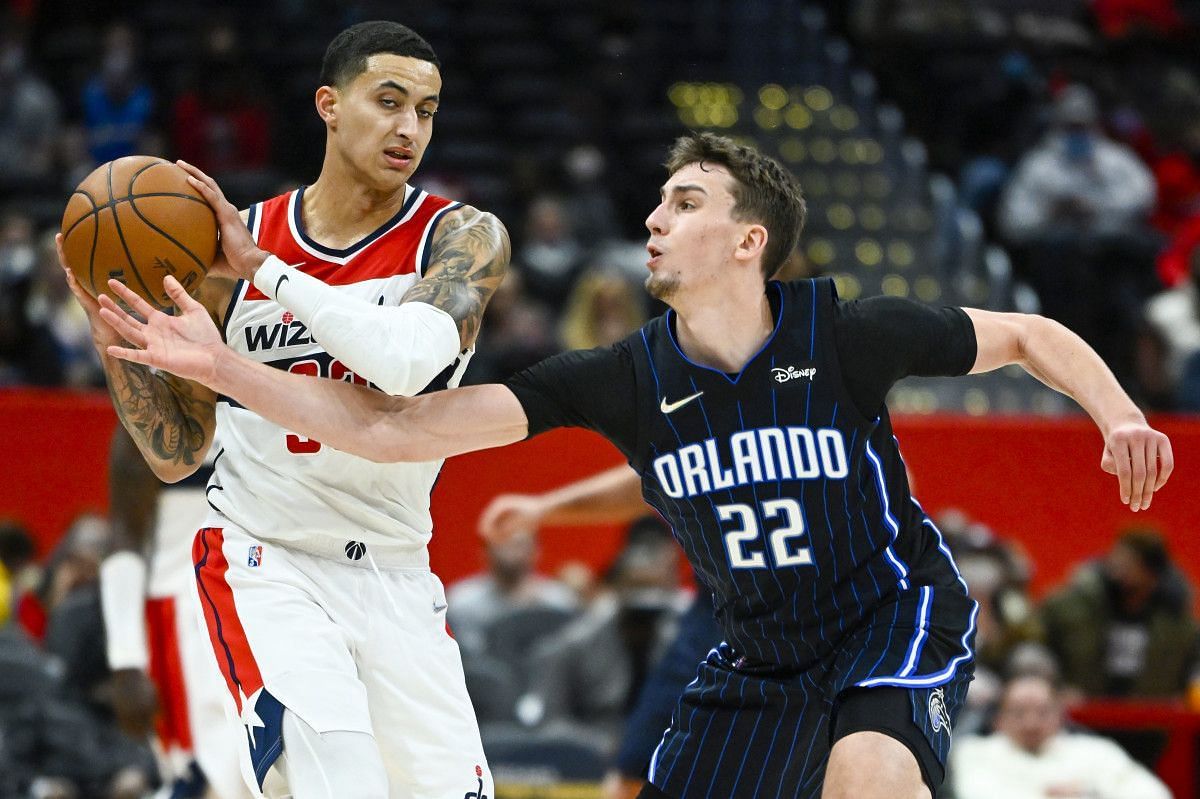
pixel 1030 155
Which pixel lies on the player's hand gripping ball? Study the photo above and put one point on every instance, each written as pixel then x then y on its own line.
pixel 137 219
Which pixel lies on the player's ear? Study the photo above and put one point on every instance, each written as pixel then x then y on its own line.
pixel 326 102
pixel 752 243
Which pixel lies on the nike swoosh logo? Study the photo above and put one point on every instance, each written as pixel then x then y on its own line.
pixel 671 407
pixel 279 282
pixel 438 608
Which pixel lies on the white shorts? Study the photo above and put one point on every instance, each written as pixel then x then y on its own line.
pixel 347 640
pixel 193 724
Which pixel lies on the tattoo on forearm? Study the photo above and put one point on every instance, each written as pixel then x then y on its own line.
pixel 467 263
pixel 162 413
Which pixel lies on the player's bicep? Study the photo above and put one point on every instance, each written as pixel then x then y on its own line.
pixel 999 338
pixel 468 258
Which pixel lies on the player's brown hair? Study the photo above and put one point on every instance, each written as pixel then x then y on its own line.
pixel 764 191
pixel 346 57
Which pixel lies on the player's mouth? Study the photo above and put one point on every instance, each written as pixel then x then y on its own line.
pixel 656 254
pixel 399 157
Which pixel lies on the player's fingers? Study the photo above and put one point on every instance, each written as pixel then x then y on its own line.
pixel 1107 462
pixel 1166 461
pixel 62 258
pixel 1137 477
pixel 139 305
pixel 178 294
pixel 198 174
pixel 123 324
pixel 1150 449
pixel 1120 454
pixel 205 185
pixel 131 355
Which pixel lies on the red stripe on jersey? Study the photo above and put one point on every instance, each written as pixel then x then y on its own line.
pixel 225 630
pixel 392 253
pixel 166 671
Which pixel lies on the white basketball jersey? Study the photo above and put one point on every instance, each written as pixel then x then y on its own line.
pixel 281 486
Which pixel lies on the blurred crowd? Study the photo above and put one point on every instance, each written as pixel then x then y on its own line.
pixel 560 660
pixel 1072 128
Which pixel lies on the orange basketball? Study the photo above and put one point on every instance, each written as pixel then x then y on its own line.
pixel 137 219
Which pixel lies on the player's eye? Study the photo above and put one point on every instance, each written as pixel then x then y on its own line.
pixel 686 205
pixel 425 113
pixel 388 102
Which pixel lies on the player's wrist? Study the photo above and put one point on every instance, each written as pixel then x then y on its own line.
pixel 250 262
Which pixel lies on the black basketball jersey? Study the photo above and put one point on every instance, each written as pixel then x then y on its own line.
pixel 792 507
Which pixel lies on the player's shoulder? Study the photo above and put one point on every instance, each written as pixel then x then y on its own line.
pixel 462 218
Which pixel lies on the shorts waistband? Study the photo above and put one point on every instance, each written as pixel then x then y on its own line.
pixel 341 547
pixel 348 551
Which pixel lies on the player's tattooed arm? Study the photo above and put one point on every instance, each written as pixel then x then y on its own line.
pixel 468 256
pixel 171 420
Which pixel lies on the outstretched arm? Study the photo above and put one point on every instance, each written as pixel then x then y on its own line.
pixel 398 348
pixel 611 497
pixel 351 418
pixel 1137 454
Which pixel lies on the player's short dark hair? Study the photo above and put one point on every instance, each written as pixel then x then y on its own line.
pixel 764 191
pixel 346 57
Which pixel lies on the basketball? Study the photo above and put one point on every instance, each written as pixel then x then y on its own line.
pixel 137 219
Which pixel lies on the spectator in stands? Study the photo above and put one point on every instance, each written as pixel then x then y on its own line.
pixel 51 747
pixel 117 102
pixel 221 124
pixel 1173 321
pixel 591 670
pixel 550 256
pixel 61 325
pixel 997 574
pixel 1123 625
pixel 519 334
pixel 602 309
pixel 26 353
pixel 16 557
pixel 75 628
pixel 1076 213
pixel 510 583
pixel 589 204
pixel 1032 756
pixel 29 117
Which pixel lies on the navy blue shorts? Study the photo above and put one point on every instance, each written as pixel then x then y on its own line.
pixel 740 733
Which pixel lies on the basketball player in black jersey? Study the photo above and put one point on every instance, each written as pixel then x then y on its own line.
pixel 754 414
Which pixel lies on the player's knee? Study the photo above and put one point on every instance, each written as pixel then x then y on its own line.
pixel 893 772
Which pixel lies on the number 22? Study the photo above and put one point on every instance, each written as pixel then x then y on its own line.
pixel 782 539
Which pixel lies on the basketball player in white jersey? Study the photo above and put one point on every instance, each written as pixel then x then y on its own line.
pixel 312 568
pixel 164 679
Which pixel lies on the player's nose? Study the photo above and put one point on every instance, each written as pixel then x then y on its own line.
pixel 656 222
pixel 406 125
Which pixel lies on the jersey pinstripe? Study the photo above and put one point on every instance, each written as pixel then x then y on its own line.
pixel 795 510
pixel 281 486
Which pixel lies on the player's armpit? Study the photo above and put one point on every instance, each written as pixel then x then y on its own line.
pixel 468 256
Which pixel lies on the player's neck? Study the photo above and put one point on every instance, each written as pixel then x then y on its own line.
pixel 726 331
pixel 338 211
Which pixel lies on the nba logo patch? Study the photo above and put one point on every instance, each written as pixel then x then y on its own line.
pixel 255 556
